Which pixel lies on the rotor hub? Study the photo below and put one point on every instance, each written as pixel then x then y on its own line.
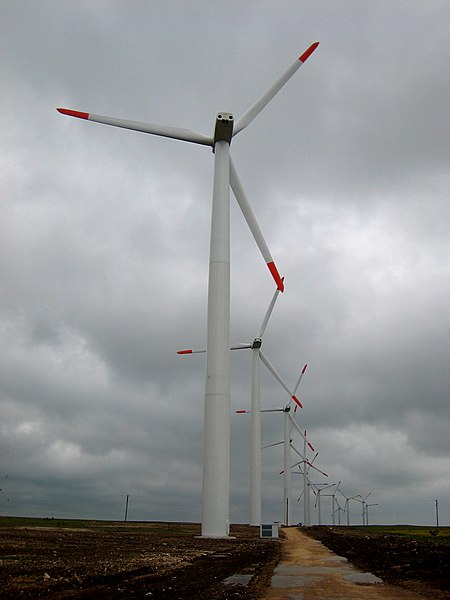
pixel 224 127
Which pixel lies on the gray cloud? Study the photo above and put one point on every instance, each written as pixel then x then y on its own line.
pixel 105 239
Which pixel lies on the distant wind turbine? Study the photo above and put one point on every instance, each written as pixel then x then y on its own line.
pixel 287 419
pixel 216 438
pixel 305 466
pixel 318 494
pixel 364 504
pixel 347 505
pixel 367 511
pixel 334 502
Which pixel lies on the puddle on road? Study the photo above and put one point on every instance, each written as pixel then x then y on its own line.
pixel 238 579
pixel 362 578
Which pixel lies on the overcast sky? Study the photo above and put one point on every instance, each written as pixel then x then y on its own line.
pixel 105 242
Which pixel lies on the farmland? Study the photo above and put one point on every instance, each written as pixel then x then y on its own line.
pixel 57 559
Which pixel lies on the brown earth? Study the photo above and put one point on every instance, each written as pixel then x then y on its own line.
pixel 167 561
pixel 151 560
pixel 419 566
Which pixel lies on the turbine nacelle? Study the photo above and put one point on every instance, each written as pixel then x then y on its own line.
pixel 224 127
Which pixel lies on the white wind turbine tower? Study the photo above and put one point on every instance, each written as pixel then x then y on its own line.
pixel 364 505
pixel 255 468
pixel 305 465
pixel 255 479
pixel 255 449
pixel 216 436
pixel 367 511
pixel 318 496
pixel 347 505
pixel 334 502
pixel 288 422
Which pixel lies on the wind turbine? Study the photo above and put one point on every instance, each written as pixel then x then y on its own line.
pixel 334 502
pixel 255 449
pixel 318 496
pixel 367 511
pixel 347 505
pixel 256 466
pixel 216 436
pixel 364 504
pixel 288 423
pixel 304 470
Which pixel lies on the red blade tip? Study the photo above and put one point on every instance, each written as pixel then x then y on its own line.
pixel 241 411
pixel 295 399
pixel 304 368
pixel 184 352
pixel 308 52
pixel 73 113
pixel 276 276
pixel 311 446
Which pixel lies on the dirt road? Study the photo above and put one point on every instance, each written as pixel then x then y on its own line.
pixel 309 571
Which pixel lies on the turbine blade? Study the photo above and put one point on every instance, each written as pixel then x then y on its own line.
pixel 176 133
pixel 264 410
pixel 254 110
pixel 263 325
pixel 278 377
pixel 296 388
pixel 272 445
pixel 300 378
pixel 314 457
pixel 293 422
pixel 313 467
pixel 249 216
pixel 203 350
pixel 300 454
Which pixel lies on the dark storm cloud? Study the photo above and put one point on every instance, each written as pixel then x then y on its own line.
pixel 105 237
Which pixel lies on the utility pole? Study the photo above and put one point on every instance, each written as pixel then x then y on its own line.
pixel 437 514
pixel 126 508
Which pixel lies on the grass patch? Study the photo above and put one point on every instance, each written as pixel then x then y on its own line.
pixel 418 533
pixel 159 528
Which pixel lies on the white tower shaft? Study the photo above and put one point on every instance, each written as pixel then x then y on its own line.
pixel 216 442
pixel 255 452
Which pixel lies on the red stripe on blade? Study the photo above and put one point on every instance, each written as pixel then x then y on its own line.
pixel 73 113
pixel 311 446
pixel 308 52
pixel 241 411
pixel 276 276
pixel 304 368
pixel 184 352
pixel 295 399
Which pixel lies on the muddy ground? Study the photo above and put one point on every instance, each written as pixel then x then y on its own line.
pixel 423 567
pixel 155 561
pixel 166 561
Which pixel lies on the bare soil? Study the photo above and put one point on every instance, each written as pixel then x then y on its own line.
pixel 152 560
pixel 416 565
pixel 167 561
